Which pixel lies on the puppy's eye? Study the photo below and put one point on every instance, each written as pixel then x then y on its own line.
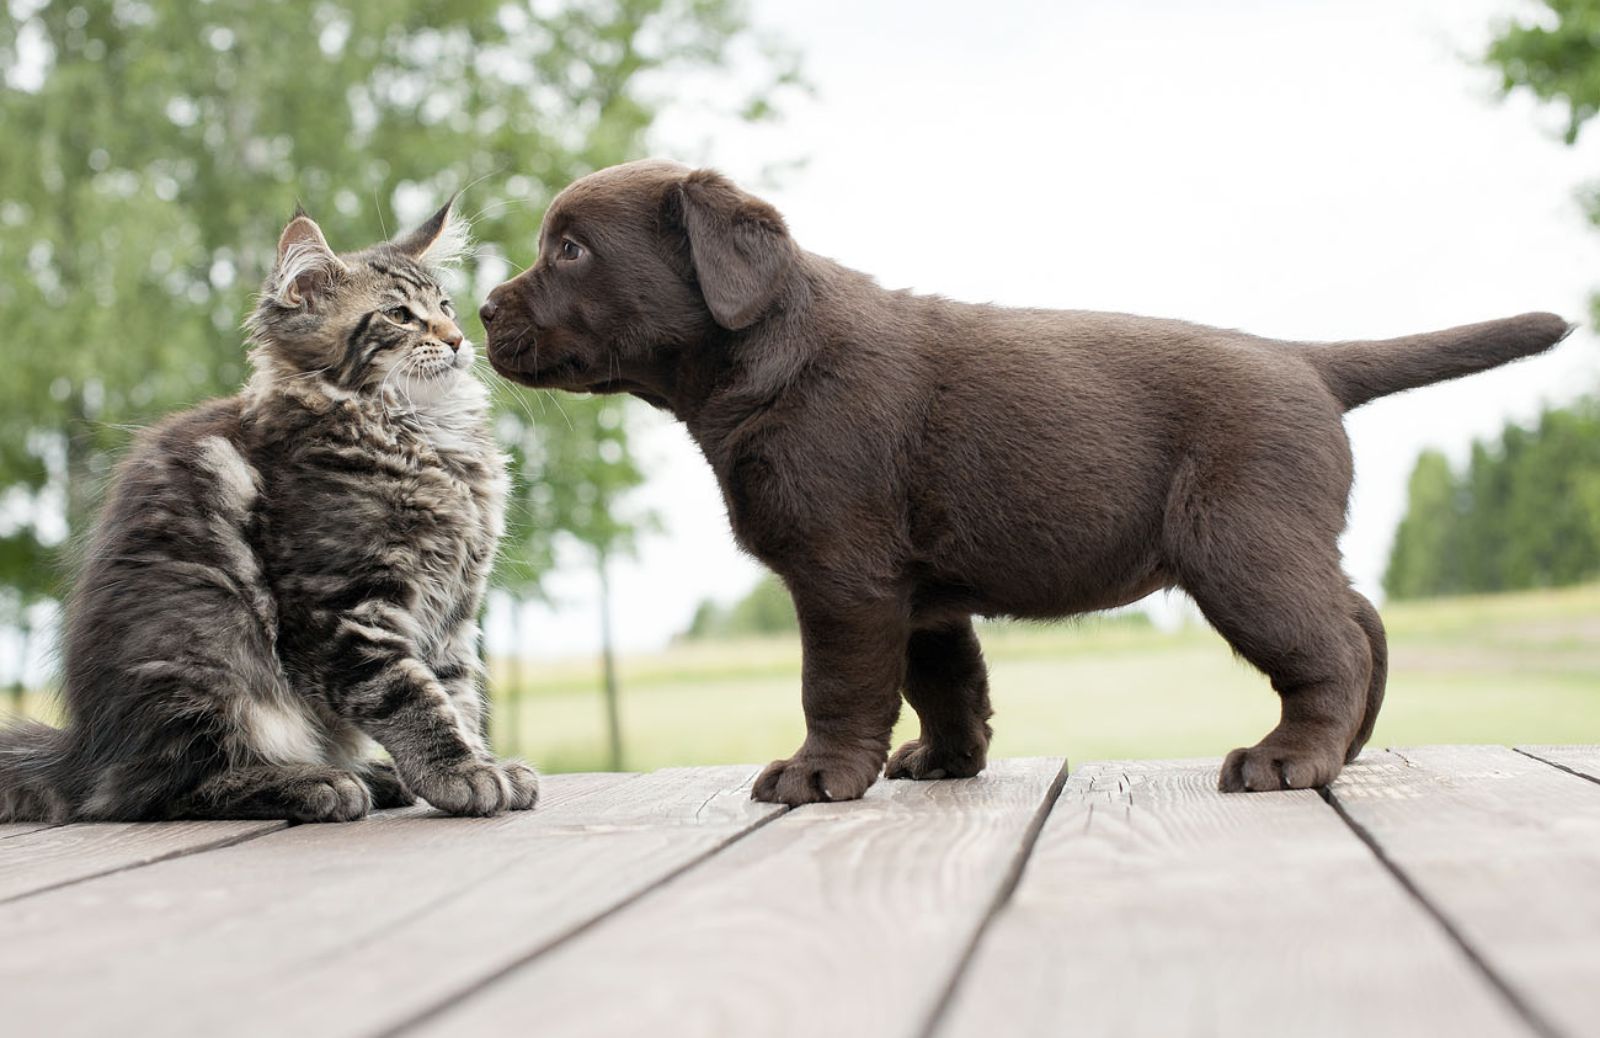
pixel 570 250
pixel 400 315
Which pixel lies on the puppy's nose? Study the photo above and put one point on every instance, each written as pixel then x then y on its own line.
pixel 488 310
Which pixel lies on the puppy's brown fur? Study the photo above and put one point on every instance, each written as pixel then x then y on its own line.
pixel 905 462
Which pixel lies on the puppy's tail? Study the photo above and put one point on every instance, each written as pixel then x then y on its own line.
pixel 1356 372
pixel 30 761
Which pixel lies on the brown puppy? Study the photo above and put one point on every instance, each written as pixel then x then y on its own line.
pixel 904 462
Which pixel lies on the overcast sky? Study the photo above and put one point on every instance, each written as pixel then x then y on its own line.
pixel 1307 169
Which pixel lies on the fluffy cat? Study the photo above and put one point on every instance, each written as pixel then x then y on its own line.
pixel 280 578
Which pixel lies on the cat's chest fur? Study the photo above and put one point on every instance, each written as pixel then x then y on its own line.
pixel 371 501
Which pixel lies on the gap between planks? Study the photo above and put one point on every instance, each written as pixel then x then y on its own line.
pixel 873 902
pixel 445 1004
pixel 1526 821
pixel 1152 904
pixel 1582 761
pixel 354 949
pixel 127 846
pixel 10 829
pixel 1497 983
pixel 1008 888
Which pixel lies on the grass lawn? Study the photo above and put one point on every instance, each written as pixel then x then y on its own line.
pixel 1504 669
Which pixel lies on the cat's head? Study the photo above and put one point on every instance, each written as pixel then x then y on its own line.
pixel 363 322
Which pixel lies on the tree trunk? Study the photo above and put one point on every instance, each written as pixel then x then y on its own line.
pixel 518 685
pixel 608 663
pixel 19 691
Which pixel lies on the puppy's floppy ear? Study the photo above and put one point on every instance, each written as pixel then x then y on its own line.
pixel 306 265
pixel 739 246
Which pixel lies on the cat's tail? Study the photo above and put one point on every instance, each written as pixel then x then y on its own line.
pixel 1356 372
pixel 31 755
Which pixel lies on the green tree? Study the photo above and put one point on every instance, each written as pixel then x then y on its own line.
pixel 1426 543
pixel 572 488
pixel 155 147
pixel 1524 514
pixel 765 609
pixel 1555 56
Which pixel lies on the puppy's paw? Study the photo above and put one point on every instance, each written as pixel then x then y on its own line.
pixel 1269 765
pixel 919 760
pixel 387 789
pixel 472 787
pixel 524 783
pixel 808 778
pixel 330 796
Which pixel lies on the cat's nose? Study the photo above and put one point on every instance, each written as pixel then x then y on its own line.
pixel 487 311
pixel 447 333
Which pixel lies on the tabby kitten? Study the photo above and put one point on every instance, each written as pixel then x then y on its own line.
pixel 284 576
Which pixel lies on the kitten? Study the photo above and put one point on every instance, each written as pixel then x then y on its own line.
pixel 284 576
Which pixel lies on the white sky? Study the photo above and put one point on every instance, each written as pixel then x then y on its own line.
pixel 1309 169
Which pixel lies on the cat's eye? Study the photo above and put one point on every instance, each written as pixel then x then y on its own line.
pixel 447 307
pixel 400 315
pixel 570 250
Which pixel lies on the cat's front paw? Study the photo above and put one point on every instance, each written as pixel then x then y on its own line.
pixel 524 785
pixel 473 787
pixel 327 795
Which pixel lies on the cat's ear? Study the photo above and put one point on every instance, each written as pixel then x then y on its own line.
pixel 306 266
pixel 441 240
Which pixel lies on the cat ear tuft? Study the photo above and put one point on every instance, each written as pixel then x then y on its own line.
pixel 442 239
pixel 306 265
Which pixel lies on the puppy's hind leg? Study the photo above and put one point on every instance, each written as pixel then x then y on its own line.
pixel 1272 586
pixel 1367 616
pixel 948 686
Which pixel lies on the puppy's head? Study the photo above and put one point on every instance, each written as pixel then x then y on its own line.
pixel 636 262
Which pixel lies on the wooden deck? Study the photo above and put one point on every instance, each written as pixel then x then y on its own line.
pixel 1450 891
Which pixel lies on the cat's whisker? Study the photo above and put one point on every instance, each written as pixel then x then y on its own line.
pixel 559 409
pixel 499 206
pixel 377 205
pixel 512 391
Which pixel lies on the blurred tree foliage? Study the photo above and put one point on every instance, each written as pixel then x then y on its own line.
pixel 1555 54
pixel 1524 514
pixel 765 609
pixel 154 148
pixel 1526 511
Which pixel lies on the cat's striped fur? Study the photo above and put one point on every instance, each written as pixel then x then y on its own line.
pixel 281 578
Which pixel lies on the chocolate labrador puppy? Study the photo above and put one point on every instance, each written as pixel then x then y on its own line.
pixel 905 462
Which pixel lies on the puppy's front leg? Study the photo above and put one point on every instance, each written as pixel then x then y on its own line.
pixel 853 664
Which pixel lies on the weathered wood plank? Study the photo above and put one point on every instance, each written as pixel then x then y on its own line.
pixel 1581 760
pixel 56 856
pixel 354 929
pixel 1154 905
pixel 10 829
pixel 835 919
pixel 1507 850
